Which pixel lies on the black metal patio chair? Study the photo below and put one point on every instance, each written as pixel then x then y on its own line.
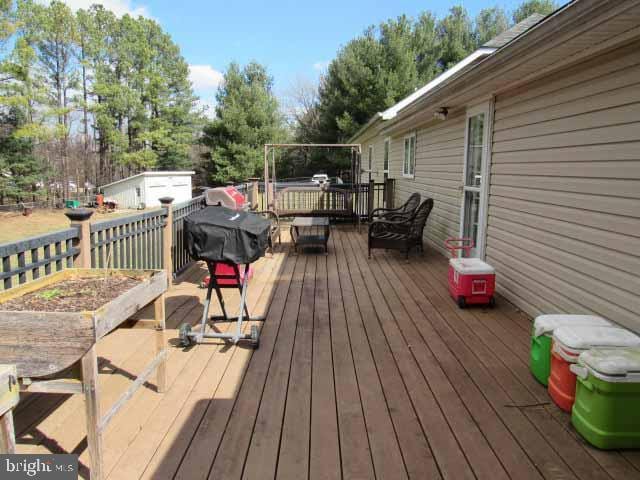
pixel 402 234
pixel 405 210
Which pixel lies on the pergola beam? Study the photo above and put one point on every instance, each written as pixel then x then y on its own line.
pixel 311 145
pixel 268 147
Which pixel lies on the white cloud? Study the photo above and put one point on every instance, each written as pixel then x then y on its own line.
pixel 119 7
pixel 208 107
pixel 321 66
pixel 205 77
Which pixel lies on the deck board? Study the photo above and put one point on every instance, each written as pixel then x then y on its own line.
pixel 366 369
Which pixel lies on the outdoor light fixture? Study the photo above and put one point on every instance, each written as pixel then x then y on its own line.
pixel 441 113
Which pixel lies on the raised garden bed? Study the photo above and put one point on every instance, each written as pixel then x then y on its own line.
pixel 75 294
pixel 49 329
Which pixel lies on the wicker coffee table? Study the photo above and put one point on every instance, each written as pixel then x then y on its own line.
pixel 316 234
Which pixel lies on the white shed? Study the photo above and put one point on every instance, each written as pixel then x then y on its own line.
pixel 148 187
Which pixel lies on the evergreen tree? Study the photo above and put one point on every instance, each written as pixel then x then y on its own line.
pixel 51 31
pixel 455 36
pixel 247 117
pixel 489 23
pixel 529 7
pixel 388 62
pixel 21 172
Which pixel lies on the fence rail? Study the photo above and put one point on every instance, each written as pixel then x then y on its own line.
pixel 181 258
pixel 360 193
pixel 34 257
pixel 130 242
pixel 134 241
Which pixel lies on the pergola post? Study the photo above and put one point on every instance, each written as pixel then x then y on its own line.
pixel 269 190
pixel 266 176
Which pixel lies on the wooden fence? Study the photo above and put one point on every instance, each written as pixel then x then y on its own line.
pixel 181 258
pixel 363 202
pixel 34 257
pixel 138 241
pixel 132 242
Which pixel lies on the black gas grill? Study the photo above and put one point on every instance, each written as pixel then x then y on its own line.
pixel 228 241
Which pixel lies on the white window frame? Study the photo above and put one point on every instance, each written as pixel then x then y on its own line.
pixel 386 151
pixel 370 157
pixel 487 109
pixel 409 172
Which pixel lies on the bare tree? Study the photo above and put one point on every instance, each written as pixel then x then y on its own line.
pixel 301 108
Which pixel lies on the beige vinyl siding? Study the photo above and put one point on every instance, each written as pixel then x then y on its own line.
pixel 378 152
pixel 564 205
pixel 438 174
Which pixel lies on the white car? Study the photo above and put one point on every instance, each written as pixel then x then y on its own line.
pixel 320 179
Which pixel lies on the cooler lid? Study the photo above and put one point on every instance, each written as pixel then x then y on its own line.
pixel 586 337
pixel 623 364
pixel 471 266
pixel 548 323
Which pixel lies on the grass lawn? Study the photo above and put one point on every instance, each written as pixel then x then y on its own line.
pixel 14 226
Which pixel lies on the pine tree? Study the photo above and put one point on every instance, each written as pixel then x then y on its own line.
pixel 247 117
pixel 489 23
pixel 529 7
pixel 21 172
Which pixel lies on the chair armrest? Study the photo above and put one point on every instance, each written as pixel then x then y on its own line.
pixel 384 210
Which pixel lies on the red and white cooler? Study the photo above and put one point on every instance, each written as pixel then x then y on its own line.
pixel 568 344
pixel 471 280
pixel 229 197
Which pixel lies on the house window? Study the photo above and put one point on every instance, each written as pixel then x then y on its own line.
pixel 409 164
pixel 387 148
pixel 370 158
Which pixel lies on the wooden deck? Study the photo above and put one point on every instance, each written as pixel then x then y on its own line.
pixel 366 369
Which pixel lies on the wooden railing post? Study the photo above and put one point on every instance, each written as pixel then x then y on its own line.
pixel 270 191
pixel 80 219
pixel 370 198
pixel 389 192
pixel 167 239
pixel 253 192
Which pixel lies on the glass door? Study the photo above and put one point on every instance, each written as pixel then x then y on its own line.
pixel 473 188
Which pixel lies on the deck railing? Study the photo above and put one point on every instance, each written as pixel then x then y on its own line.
pixel 132 242
pixel 181 258
pixel 297 193
pixel 34 257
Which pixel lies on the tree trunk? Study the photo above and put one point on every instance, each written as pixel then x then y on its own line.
pixel 85 115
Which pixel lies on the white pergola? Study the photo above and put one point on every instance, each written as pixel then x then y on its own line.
pixel 270 148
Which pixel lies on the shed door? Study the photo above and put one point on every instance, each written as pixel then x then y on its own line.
pixel 474 185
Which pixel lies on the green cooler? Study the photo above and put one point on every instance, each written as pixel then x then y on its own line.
pixel 543 328
pixel 606 411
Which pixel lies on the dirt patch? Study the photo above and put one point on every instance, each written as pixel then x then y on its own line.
pixel 76 294
pixel 15 226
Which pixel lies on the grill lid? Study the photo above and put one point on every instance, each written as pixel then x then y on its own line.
pixel 220 234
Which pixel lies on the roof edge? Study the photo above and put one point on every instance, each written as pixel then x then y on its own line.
pixel 363 128
pixel 152 173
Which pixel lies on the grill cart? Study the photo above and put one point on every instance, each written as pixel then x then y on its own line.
pixel 234 239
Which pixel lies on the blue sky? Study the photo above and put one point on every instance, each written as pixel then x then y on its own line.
pixel 293 38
